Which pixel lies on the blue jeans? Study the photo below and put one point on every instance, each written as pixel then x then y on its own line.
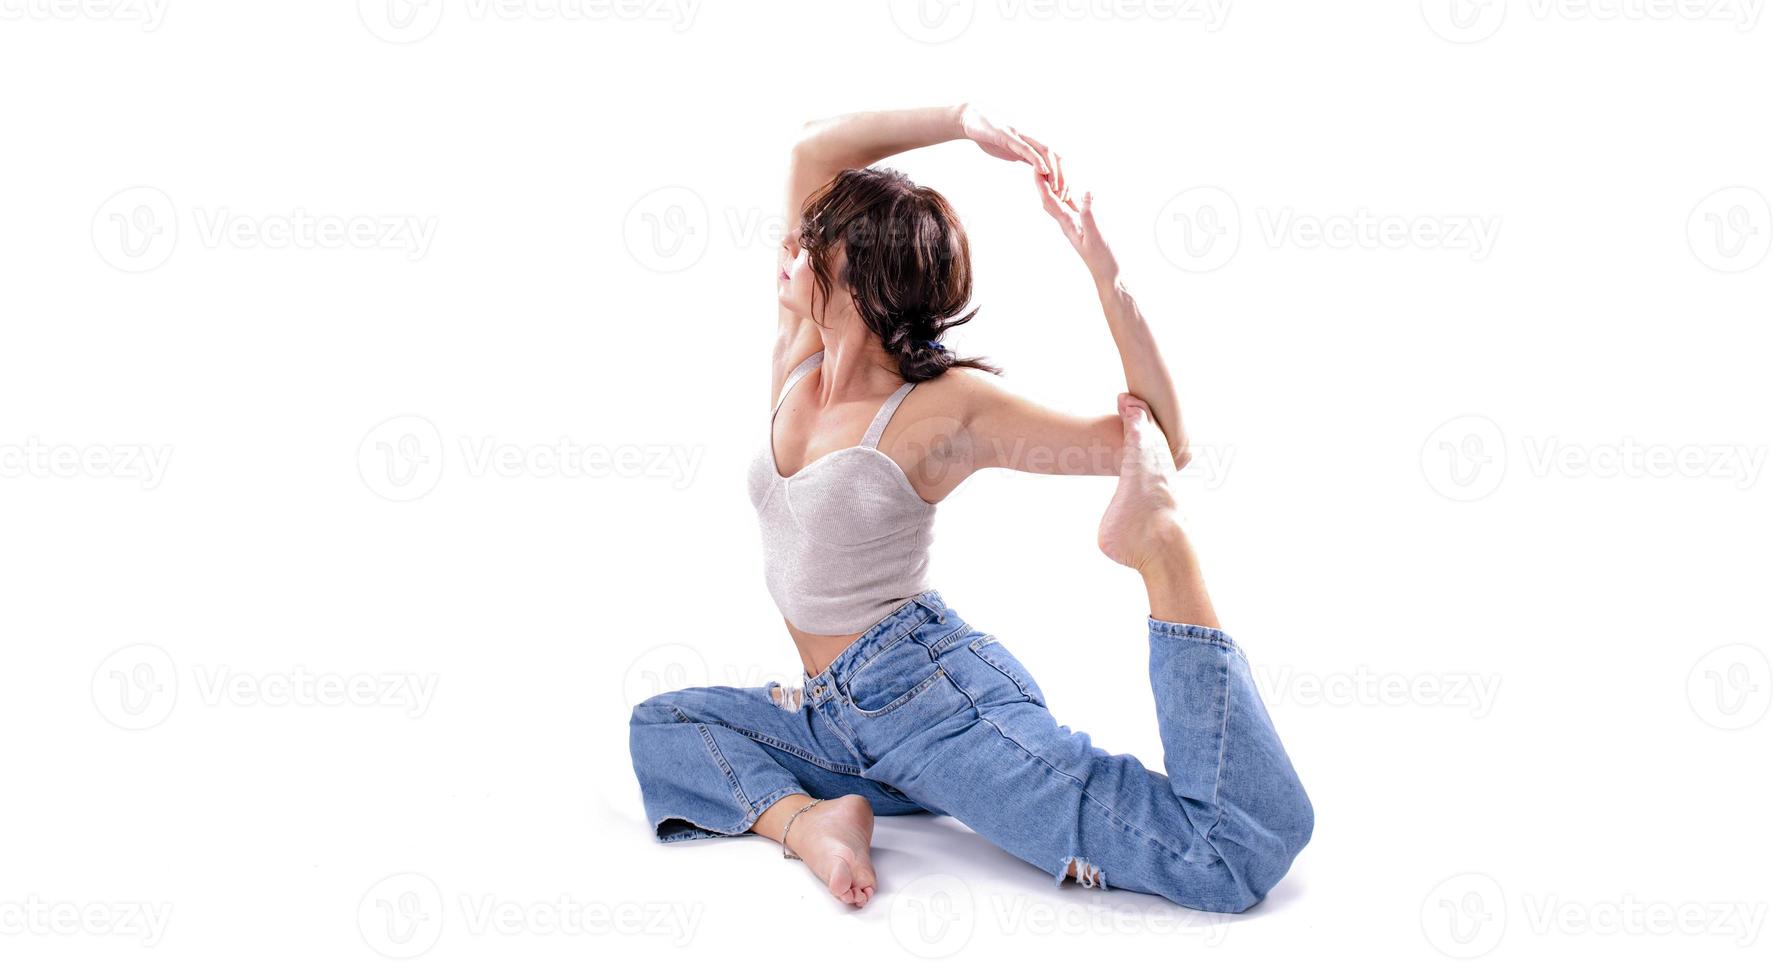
pixel 924 713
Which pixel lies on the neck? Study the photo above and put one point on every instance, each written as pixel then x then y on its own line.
pixel 854 364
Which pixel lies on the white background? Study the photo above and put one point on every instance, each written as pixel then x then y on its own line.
pixel 1491 521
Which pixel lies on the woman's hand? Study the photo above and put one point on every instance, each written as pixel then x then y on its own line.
pixel 1077 219
pixel 1001 141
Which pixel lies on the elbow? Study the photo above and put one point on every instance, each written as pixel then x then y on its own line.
pixel 806 141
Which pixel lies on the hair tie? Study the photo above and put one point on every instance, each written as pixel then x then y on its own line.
pixel 934 345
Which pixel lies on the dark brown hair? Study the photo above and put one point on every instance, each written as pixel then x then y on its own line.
pixel 905 263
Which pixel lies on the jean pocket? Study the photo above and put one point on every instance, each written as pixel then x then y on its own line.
pixel 892 678
pixel 936 676
pixel 995 655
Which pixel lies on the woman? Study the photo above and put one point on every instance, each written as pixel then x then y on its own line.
pixel 906 707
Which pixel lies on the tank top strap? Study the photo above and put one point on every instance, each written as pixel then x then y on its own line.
pixel 794 377
pixel 885 415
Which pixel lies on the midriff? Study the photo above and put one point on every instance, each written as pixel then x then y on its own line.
pixel 818 650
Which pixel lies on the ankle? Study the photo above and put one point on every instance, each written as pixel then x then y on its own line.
pixel 1168 555
pixel 1173 582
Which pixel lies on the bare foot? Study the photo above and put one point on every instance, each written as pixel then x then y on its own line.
pixel 833 839
pixel 1143 515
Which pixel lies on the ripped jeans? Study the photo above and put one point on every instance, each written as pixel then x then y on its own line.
pixel 924 713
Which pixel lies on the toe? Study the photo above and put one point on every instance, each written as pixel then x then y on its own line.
pixel 841 881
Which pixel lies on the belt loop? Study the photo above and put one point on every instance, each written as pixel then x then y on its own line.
pixel 932 604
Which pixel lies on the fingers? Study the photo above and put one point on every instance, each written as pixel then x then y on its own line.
pixel 1046 154
pixel 1062 211
pixel 1049 200
pixel 1025 149
pixel 1055 164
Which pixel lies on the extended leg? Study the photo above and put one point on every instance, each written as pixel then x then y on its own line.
pixel 1217 829
pixel 1221 752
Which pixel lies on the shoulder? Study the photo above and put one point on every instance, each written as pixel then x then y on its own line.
pixel 963 393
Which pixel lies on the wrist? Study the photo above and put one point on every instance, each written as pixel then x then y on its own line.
pixel 955 116
pixel 1108 281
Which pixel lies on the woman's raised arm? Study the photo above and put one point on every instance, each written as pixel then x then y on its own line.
pixel 827 146
pixel 1148 379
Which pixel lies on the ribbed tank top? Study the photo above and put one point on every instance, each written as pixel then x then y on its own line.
pixel 846 538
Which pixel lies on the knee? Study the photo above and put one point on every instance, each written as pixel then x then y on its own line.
pixel 660 709
pixel 1285 833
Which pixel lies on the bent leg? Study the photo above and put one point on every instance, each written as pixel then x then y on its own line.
pixel 1224 760
pixel 711 761
pixel 1215 833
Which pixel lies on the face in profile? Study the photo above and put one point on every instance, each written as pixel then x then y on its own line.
pixel 794 275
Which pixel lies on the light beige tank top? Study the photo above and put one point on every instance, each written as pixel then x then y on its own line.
pixel 846 539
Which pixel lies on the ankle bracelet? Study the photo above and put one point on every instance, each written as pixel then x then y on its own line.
pixel 785 852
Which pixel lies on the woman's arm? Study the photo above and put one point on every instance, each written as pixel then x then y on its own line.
pixel 858 139
pixel 824 148
pixel 1010 431
pixel 1148 378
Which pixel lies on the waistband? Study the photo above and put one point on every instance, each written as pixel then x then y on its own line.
pixel 893 627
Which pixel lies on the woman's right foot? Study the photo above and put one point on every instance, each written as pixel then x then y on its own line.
pixel 833 838
pixel 1143 519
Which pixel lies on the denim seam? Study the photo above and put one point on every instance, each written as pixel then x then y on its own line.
pixel 902 700
pixel 764 803
pixel 796 751
pixel 886 645
pixel 1083 791
pixel 833 722
pixel 714 750
pixel 947 642
pixel 1189 631
pixel 1224 699
pixel 976 648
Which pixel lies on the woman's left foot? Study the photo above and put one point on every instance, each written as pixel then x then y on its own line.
pixel 1143 517
pixel 833 838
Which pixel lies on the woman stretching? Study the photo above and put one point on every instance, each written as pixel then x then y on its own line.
pixel 906 707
